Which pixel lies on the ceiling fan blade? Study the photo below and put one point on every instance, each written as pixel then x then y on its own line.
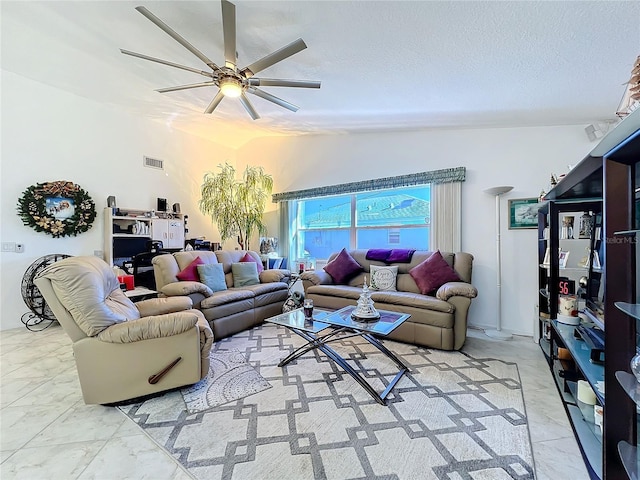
pixel 275 57
pixel 172 33
pixel 278 82
pixel 185 87
pixel 229 29
pixel 247 105
pixel 165 62
pixel 273 98
pixel 215 102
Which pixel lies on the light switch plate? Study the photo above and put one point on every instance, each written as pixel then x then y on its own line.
pixel 8 246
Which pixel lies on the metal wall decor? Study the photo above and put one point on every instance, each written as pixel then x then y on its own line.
pixel 58 208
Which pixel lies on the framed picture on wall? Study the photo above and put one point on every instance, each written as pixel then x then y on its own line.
pixel 523 213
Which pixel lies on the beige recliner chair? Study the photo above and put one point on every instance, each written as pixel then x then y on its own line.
pixel 124 350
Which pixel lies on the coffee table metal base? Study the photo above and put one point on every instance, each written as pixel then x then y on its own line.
pixel 320 342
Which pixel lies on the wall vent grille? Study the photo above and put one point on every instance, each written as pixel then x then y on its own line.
pixel 153 163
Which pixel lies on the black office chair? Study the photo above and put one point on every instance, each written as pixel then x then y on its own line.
pixel 142 266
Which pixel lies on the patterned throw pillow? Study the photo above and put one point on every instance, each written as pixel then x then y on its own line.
pixel 190 272
pixel 434 272
pixel 343 267
pixel 212 275
pixel 383 278
pixel 245 274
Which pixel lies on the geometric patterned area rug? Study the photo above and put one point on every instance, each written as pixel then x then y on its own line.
pixel 230 378
pixel 451 417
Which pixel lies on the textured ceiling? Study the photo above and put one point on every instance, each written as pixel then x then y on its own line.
pixel 383 65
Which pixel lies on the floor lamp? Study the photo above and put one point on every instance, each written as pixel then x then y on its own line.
pixel 497 333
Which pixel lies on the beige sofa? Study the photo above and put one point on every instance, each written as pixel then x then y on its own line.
pixel 124 350
pixel 228 311
pixel 438 321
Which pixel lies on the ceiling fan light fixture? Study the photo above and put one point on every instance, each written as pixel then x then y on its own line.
pixel 232 81
pixel 230 87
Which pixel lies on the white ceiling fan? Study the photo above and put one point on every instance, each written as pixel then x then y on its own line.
pixel 231 80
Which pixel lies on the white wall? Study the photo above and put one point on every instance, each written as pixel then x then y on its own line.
pixel 522 157
pixel 48 135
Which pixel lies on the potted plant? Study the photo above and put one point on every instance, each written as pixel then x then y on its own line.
pixel 236 205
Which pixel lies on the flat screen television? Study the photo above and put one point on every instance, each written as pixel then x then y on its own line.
pixel 127 247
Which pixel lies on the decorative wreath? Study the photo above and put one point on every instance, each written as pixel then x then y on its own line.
pixel 59 208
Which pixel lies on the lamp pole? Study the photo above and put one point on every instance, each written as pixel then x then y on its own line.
pixel 497 333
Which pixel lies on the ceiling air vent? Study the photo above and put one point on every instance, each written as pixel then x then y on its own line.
pixel 153 163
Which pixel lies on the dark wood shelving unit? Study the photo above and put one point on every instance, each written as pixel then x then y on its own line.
pixel 605 179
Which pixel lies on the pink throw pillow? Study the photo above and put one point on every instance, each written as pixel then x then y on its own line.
pixel 249 258
pixel 343 267
pixel 434 272
pixel 190 272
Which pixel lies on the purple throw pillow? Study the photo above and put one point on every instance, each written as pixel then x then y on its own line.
pixel 433 273
pixel 249 258
pixel 343 267
pixel 190 272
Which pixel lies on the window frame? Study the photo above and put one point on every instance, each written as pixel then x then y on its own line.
pixel 297 240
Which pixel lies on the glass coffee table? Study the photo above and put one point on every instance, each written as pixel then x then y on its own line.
pixel 340 325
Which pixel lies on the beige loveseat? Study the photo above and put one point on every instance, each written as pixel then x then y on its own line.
pixel 438 321
pixel 228 311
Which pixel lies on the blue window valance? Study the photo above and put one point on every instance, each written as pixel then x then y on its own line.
pixel 445 175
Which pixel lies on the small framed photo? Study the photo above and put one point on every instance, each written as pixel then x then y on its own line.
pixel 567 227
pixel 564 256
pixel 586 225
pixel 523 213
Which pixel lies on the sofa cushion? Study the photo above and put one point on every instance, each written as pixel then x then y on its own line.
pixel 248 258
pixel 185 258
pixel 268 293
pixel 343 291
pixel 342 267
pixel 244 273
pixel 212 276
pixel 190 272
pixel 432 273
pixel 383 278
pixel 224 297
pixel 260 288
pixel 415 300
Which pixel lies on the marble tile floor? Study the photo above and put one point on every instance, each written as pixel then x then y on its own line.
pixel 47 432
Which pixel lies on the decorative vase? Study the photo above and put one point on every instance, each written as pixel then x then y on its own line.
pixel 635 365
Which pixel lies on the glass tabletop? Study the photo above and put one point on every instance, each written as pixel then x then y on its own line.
pixel 295 319
pixel 387 322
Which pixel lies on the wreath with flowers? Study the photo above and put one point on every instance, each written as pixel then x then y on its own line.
pixel 59 208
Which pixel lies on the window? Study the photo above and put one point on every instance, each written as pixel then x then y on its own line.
pixel 393 218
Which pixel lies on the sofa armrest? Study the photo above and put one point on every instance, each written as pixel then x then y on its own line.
pixel 452 289
pixel 146 328
pixel 315 277
pixel 179 289
pixel 160 306
pixel 275 275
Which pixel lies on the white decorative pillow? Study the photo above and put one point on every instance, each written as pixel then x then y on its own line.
pixel 383 278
